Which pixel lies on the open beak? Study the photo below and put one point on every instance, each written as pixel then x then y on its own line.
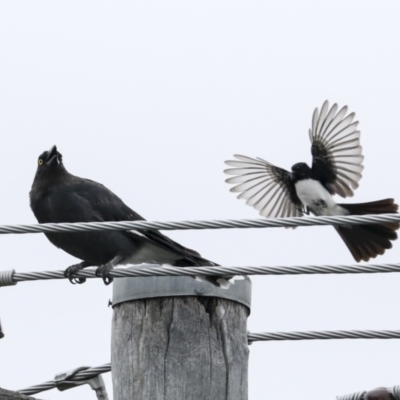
pixel 52 156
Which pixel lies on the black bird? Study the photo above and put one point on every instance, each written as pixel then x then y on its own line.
pixel 58 196
pixel 336 169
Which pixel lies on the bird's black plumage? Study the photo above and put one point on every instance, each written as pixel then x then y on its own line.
pixel 336 169
pixel 58 196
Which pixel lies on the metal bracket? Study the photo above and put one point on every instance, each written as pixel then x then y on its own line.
pixel 61 379
pixel 6 278
pixel 137 288
pixel 96 383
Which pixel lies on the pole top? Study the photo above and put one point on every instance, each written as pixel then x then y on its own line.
pixel 138 288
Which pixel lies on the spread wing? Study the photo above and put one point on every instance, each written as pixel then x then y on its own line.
pixel 337 159
pixel 267 188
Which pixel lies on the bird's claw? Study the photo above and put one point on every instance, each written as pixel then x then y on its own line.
pixel 71 271
pixel 104 272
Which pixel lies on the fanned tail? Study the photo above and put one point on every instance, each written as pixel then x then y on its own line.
pixel 370 240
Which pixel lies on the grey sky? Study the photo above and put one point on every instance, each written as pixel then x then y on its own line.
pixel 149 99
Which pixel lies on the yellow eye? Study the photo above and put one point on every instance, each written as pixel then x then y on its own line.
pixel 40 161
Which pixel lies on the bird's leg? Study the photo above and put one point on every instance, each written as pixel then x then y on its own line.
pixel 104 270
pixel 73 269
pixel 304 210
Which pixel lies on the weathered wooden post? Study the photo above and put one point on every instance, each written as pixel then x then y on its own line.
pixel 176 338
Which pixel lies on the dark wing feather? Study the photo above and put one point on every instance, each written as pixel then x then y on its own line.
pixel 267 188
pixel 109 207
pixel 337 159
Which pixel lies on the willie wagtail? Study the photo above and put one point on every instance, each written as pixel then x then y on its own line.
pixel 336 169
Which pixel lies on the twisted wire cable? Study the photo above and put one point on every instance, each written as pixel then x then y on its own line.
pixel 185 225
pixel 352 396
pixel 79 376
pixel 10 277
pixel 394 391
pixel 325 335
pixel 253 337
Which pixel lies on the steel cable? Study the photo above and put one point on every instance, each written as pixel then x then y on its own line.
pixel 252 337
pixel 324 335
pixel 80 376
pixel 10 277
pixel 186 225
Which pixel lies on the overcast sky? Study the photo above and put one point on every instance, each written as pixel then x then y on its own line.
pixel 149 99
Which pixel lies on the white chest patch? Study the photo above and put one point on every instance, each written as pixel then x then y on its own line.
pixel 314 196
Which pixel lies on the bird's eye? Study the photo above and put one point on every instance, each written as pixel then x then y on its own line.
pixel 40 162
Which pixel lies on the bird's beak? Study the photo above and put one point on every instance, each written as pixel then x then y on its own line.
pixel 52 156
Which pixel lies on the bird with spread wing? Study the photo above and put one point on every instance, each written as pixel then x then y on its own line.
pixel 336 169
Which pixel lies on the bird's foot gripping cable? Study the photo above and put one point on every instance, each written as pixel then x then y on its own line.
pixel 72 270
pixel 104 272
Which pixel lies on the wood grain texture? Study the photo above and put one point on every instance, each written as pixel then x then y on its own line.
pixel 180 348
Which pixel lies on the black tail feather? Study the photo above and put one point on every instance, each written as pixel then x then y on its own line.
pixel 219 281
pixel 370 240
pixel 385 206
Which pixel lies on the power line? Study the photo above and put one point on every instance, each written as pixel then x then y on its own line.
pixel 10 277
pixel 186 225
pixel 252 337
pixel 380 393
pixel 325 335
pixel 79 376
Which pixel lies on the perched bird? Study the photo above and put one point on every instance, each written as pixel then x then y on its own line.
pixel 336 169
pixel 58 196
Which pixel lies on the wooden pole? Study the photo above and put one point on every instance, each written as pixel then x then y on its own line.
pixel 180 348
